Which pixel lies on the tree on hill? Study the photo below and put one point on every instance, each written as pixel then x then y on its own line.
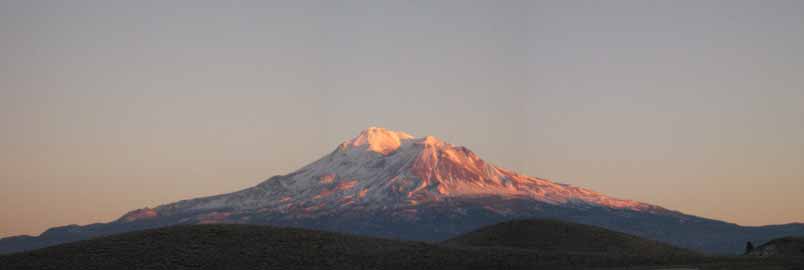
pixel 749 247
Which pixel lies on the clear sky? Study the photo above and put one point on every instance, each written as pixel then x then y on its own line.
pixel 108 106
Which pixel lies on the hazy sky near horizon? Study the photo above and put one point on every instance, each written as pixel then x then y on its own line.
pixel 109 106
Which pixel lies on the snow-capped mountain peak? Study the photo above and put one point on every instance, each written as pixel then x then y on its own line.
pixel 391 184
pixel 377 140
pixel 385 169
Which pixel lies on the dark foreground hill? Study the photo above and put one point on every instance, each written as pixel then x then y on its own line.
pixel 554 235
pixel 262 247
pixel 781 247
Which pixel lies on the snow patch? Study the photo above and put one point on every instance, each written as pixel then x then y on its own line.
pixel 377 140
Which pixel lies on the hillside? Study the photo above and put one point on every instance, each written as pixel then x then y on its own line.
pixel 560 236
pixel 262 247
pixel 781 247
pixel 237 246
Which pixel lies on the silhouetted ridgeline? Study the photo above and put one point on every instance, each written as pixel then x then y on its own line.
pixel 781 247
pixel 560 236
pixel 262 247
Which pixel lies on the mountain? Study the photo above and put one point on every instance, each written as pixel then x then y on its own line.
pixel 390 184
pixel 237 246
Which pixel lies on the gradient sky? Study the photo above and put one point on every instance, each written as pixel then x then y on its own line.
pixel 108 106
